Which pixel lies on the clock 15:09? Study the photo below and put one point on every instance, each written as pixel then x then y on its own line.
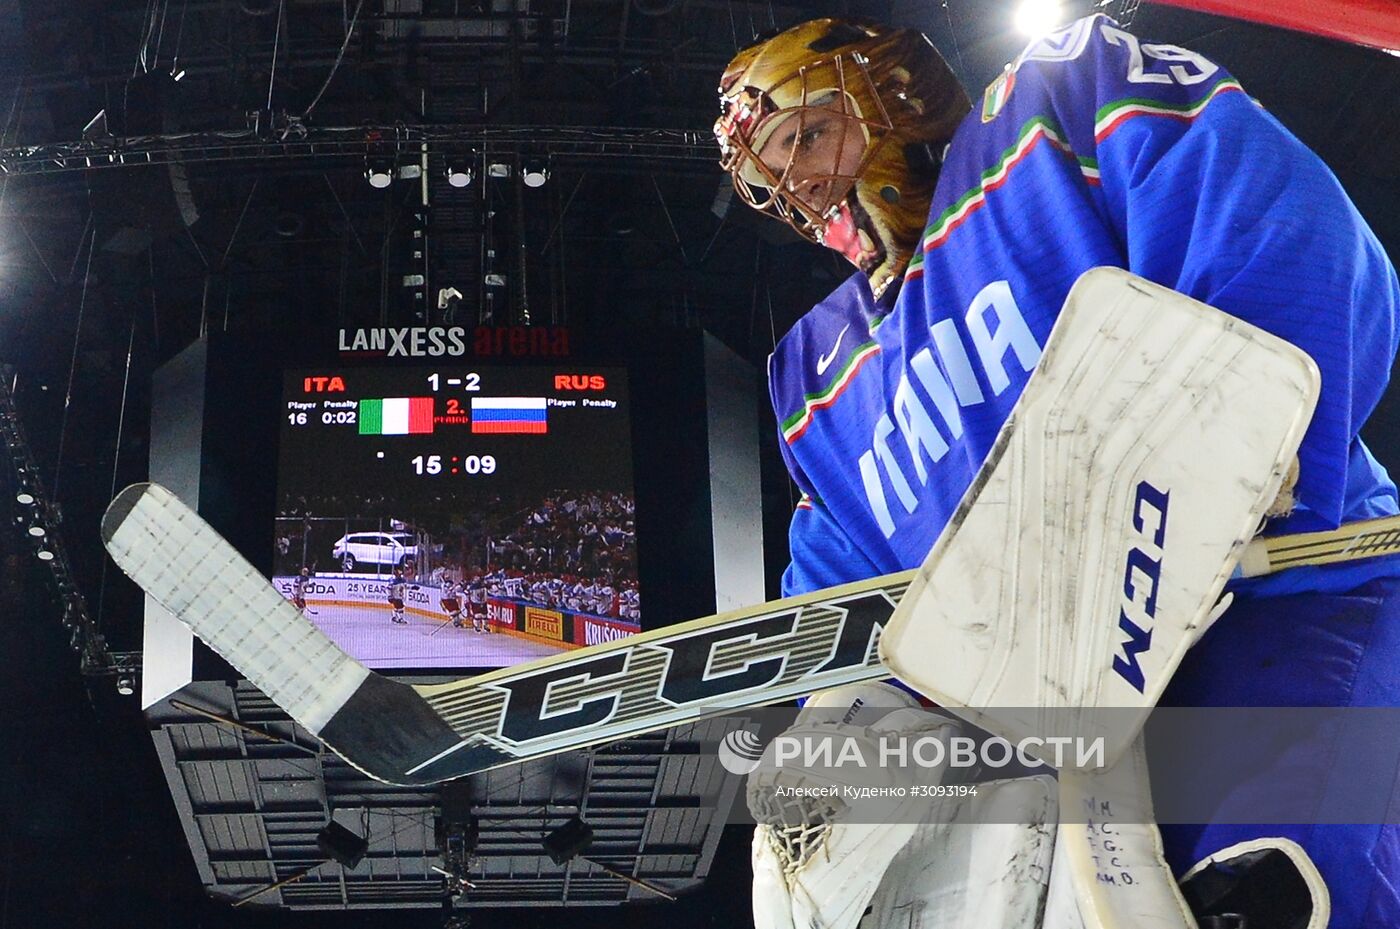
pixel 469 464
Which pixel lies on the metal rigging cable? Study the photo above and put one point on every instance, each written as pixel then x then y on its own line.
pixel 73 363
pixel 349 31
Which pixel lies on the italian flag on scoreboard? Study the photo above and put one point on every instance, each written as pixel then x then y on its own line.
pixel 396 416
pixel 509 414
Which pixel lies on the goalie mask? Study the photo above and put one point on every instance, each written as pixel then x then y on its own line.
pixel 838 128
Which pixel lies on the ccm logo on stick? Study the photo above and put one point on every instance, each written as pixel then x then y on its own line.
pixel 686 677
pixel 580 382
pixel 1140 578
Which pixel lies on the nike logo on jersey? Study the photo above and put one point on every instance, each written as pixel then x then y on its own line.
pixel 824 361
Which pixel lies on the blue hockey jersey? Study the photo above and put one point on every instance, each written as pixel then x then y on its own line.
pixel 1092 148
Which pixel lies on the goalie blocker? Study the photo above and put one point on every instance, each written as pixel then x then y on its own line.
pixel 1069 516
pixel 1091 549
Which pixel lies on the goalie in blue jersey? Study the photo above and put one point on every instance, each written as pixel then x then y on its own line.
pixel 968 221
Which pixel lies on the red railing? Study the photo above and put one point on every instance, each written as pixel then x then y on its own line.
pixel 1374 23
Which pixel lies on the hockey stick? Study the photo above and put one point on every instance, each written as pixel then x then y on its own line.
pixel 815 638
pixel 1369 538
pixel 422 734
pixel 1353 542
pixel 441 626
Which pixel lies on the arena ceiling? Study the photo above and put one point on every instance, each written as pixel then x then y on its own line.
pixel 278 107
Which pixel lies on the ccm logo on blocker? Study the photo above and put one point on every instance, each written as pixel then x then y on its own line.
pixel 1143 571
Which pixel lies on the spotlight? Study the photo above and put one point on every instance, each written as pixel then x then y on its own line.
pixel 45 554
pixel 36 531
pixel 459 175
pixel 534 173
pixel 1034 18
pixel 498 169
pixel 379 172
pixel 126 686
pixel 25 498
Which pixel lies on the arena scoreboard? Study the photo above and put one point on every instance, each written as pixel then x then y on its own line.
pixel 528 495
pixel 390 431
pixel 458 515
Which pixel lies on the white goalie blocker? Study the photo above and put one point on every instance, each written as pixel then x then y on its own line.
pixel 1087 557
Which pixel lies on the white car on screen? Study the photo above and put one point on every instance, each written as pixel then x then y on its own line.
pixel 374 548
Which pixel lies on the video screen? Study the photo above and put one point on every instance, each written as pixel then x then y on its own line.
pixel 455 517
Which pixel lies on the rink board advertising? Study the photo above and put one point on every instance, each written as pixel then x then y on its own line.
pixel 495 502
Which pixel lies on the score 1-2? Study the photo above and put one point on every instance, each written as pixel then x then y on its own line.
pixel 469 381
pixel 471 464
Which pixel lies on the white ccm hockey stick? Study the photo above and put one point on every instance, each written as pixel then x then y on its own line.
pixel 422 734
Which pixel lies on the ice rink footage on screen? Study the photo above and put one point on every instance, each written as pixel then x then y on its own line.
pixel 456 516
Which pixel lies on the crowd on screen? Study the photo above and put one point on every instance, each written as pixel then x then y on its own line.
pixel 571 550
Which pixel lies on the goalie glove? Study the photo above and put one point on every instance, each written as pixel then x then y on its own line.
pixel 831 755
pixel 823 860
pixel 814 866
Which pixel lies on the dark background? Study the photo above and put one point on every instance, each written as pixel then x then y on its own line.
pixel 100 283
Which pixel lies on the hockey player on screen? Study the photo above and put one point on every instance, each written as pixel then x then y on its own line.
pixel 476 599
pixel 968 224
pixel 299 584
pixel 398 589
pixel 452 602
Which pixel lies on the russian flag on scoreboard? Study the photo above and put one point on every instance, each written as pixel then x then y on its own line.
pixel 396 416
pixel 509 414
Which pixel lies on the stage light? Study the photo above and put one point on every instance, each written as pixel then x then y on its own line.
pixel 498 169
pixel 45 554
pixel 1034 18
pixel 126 686
pixel 534 173
pixel 25 498
pixel 379 172
pixel 36 531
pixel 459 175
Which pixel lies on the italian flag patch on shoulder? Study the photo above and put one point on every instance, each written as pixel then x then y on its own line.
pixel 996 94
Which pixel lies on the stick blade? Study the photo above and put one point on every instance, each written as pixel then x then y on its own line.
pixel 189 569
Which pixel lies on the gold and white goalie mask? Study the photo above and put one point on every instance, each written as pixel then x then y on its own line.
pixel 838 128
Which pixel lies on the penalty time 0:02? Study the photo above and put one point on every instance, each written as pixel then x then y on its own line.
pixel 452 464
